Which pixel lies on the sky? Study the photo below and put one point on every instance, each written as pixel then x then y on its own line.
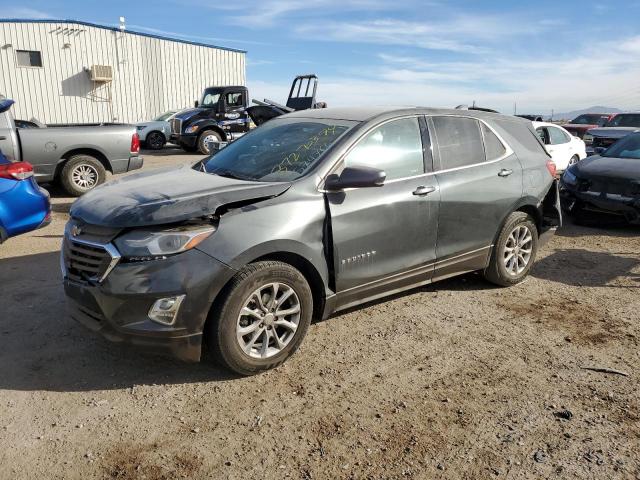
pixel 537 56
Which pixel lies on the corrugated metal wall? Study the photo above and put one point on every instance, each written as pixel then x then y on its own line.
pixel 150 75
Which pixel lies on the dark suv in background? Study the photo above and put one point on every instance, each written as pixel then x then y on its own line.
pixel 311 213
pixel 621 125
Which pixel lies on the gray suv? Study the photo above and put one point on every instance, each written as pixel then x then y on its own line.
pixel 312 213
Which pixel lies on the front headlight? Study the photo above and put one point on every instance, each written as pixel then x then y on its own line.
pixel 569 178
pixel 140 127
pixel 149 244
pixel 191 129
pixel 588 138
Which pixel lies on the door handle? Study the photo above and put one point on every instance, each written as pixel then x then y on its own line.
pixel 3 138
pixel 505 172
pixel 422 190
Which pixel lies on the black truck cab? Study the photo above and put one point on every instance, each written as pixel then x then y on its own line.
pixel 220 116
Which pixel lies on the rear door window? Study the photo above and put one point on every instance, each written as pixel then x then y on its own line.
pixel 493 147
pixel 459 141
pixel 557 136
pixel 395 147
pixel 543 134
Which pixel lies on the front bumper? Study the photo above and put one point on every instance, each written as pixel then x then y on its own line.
pixel 118 307
pixel 190 141
pixel 598 202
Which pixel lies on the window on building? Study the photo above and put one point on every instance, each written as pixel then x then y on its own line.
pixel 29 58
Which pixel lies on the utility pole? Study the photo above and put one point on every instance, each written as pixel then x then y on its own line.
pixel 552 114
pixel 515 110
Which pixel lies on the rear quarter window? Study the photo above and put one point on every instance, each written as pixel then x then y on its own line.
pixel 493 147
pixel 525 137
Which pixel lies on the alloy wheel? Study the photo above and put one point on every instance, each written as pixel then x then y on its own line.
pixel 85 176
pixel 208 140
pixel 155 141
pixel 268 320
pixel 518 249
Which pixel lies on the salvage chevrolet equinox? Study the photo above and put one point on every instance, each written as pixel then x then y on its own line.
pixel 309 214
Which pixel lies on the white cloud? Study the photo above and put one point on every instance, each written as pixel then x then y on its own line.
pixel 194 38
pixel 24 13
pixel 266 13
pixel 536 84
pixel 457 33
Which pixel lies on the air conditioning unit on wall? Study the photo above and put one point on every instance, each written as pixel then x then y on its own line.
pixel 101 73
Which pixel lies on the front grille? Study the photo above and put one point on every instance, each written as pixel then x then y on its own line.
pixel 176 126
pixel 87 262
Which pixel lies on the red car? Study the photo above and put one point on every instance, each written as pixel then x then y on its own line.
pixel 579 125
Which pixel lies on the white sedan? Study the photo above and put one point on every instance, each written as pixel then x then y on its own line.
pixel 564 148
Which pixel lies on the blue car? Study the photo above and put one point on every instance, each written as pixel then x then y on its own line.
pixel 23 205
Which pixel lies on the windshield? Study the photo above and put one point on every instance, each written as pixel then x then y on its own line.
pixel 210 98
pixel 625 120
pixel 278 151
pixel 590 120
pixel 164 116
pixel 627 147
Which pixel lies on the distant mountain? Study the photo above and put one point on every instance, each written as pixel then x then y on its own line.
pixel 575 113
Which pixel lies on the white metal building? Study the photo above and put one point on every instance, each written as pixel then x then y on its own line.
pixel 67 72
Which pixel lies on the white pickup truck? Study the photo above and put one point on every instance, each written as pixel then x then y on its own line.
pixel 77 157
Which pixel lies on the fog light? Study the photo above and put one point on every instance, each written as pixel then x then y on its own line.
pixel 165 310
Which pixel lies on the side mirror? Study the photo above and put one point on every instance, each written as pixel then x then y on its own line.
pixel 196 103
pixel 355 177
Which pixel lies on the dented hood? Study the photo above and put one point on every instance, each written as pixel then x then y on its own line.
pixel 166 196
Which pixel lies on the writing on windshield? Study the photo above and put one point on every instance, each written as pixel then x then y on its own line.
pixel 280 150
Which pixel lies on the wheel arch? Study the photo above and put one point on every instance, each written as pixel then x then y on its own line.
pixel 97 154
pixel 154 131
pixel 297 260
pixel 212 126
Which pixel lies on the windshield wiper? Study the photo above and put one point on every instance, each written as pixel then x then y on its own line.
pixel 229 174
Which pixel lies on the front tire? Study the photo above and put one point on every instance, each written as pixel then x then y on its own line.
pixel 155 141
pixel 573 160
pixel 205 139
pixel 515 251
pixel 263 315
pixel 82 173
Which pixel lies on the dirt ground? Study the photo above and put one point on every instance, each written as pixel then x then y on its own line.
pixel 458 380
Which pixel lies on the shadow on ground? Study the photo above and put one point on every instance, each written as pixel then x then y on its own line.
pixel 41 348
pixel 579 267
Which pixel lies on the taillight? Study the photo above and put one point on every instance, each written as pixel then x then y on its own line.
pixel 135 143
pixel 551 166
pixel 16 171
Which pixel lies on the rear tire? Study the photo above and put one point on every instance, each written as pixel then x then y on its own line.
pixel 155 141
pixel 82 173
pixel 247 306
pixel 514 252
pixel 205 139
